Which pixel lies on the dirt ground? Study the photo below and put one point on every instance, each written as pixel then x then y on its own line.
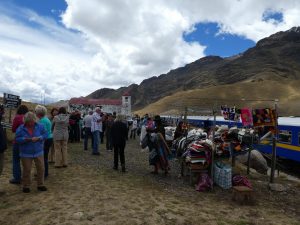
pixel 90 192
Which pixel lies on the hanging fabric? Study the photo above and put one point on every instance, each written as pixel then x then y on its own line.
pixel 263 117
pixel 246 116
pixel 230 113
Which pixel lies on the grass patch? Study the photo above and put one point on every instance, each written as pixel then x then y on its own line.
pixel 5 205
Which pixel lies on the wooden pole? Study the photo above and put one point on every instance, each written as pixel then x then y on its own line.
pixel 249 155
pixel 273 163
pixel 213 149
pixel 185 115
pixel 9 119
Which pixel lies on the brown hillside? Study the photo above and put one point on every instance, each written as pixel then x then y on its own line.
pixel 288 94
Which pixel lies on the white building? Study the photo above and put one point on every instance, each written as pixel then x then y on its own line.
pixel 122 106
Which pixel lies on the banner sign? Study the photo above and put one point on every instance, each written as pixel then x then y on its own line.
pixel 11 101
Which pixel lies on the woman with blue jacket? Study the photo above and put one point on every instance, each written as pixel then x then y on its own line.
pixel 31 136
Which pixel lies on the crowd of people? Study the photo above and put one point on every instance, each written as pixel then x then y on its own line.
pixel 44 139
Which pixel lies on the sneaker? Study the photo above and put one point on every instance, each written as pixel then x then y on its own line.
pixel 65 166
pixel 13 181
pixel 95 153
pixel 42 188
pixel 26 190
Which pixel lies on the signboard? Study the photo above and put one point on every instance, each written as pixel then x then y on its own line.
pixel 11 101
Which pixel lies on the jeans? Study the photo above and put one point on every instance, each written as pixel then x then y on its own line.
pixel 87 134
pixel 48 143
pixel 96 136
pixel 16 163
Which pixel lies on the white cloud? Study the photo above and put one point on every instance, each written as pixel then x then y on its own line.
pixel 112 43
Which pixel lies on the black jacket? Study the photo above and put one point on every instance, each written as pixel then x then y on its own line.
pixel 119 133
pixel 3 140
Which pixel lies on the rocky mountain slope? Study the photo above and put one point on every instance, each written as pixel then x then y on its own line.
pixel 275 58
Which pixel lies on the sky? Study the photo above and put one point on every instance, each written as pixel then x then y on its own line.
pixel 69 48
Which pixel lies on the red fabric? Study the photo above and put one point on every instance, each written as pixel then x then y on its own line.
pixel 18 120
pixel 30 131
pixel 246 116
pixel 239 180
pixel 204 183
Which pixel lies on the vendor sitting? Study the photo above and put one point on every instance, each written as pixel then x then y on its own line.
pixel 179 132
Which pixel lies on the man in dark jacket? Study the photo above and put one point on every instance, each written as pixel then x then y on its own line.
pixel 3 143
pixel 118 137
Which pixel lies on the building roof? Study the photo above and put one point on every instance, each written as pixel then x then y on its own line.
pixel 90 101
pixel 126 93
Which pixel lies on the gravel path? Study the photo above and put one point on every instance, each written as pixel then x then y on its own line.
pixel 136 161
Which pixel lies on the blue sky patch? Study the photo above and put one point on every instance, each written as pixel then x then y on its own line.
pixel 274 17
pixel 223 45
pixel 48 8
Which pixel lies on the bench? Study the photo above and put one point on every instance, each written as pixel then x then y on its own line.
pixel 242 194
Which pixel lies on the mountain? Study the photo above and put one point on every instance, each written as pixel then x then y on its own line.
pixel 275 58
pixel 202 101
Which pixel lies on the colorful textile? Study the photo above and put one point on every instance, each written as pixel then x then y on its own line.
pixel 263 117
pixel 230 113
pixel 239 180
pixel 198 152
pixel 158 152
pixel 246 116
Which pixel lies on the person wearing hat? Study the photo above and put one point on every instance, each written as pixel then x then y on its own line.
pixel 3 143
